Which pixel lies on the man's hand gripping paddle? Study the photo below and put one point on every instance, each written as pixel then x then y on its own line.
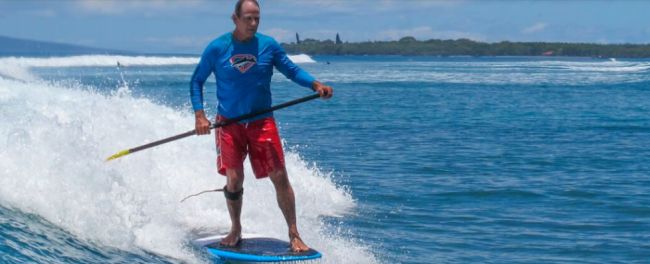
pixel 215 125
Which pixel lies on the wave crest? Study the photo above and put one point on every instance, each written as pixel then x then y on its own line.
pixel 53 142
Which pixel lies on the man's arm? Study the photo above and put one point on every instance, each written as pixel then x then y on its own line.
pixel 201 74
pixel 282 62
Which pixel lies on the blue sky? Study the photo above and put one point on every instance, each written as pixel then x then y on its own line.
pixel 187 26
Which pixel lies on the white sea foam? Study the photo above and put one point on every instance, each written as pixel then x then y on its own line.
pixel 112 60
pixel 53 142
pixel 598 66
pixel 98 61
pixel 15 72
pixel 19 67
pixel 301 58
pixel 490 72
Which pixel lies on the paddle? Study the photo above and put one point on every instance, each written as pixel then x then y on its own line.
pixel 212 126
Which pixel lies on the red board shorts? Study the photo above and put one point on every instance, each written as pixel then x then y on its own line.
pixel 260 139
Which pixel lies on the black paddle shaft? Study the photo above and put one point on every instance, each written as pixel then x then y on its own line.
pixel 226 122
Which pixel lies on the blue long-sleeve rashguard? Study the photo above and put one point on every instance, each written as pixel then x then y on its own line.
pixel 243 72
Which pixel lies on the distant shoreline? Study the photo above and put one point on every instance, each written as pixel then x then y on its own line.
pixel 409 46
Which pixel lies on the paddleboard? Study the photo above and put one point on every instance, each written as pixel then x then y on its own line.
pixel 259 249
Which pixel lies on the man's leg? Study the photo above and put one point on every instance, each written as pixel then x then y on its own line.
pixel 287 203
pixel 235 184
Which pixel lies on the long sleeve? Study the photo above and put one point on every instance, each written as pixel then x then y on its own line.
pixel 282 62
pixel 201 74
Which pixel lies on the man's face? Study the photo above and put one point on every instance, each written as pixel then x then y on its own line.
pixel 246 23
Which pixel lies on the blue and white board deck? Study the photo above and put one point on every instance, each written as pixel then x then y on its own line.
pixel 259 249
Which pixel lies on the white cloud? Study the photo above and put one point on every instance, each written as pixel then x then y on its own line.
pixel 402 5
pixel 44 13
pixel 311 7
pixel 289 35
pixel 319 5
pixel 180 42
pixel 425 33
pixel 537 27
pixel 281 34
pixel 119 7
pixel 98 6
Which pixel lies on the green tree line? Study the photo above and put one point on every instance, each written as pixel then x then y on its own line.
pixel 465 47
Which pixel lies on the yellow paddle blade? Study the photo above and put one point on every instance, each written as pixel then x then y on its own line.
pixel 119 154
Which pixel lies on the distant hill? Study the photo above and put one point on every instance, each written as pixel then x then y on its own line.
pixel 437 47
pixel 21 47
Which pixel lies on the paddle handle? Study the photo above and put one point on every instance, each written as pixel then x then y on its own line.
pixel 254 114
pixel 214 125
pixel 163 141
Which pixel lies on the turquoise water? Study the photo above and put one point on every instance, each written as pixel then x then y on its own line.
pixel 414 160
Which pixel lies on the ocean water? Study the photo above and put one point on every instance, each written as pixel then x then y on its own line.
pixel 414 160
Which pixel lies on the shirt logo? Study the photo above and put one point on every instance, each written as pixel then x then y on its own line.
pixel 243 62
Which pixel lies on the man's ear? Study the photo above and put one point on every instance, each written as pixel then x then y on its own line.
pixel 234 17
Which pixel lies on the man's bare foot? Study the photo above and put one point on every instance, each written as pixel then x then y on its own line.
pixel 297 245
pixel 232 239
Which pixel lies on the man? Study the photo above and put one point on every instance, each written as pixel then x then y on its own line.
pixel 242 62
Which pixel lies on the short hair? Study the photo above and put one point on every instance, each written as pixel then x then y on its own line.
pixel 240 3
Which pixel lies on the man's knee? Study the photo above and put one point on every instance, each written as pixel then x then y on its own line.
pixel 279 177
pixel 234 188
pixel 235 179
